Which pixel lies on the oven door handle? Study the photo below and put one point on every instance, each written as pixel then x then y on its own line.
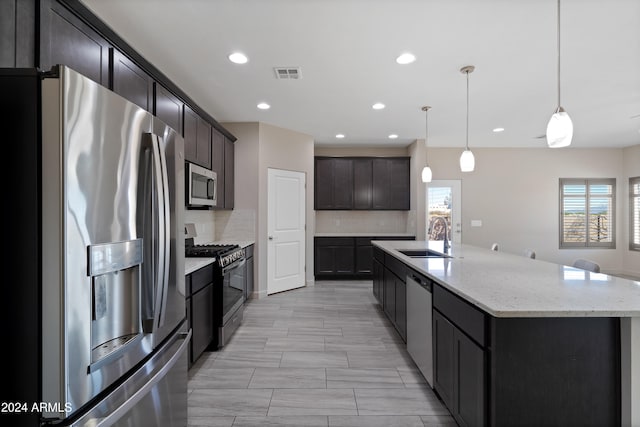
pixel 233 266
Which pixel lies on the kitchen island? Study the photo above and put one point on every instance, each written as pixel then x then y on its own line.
pixel 518 341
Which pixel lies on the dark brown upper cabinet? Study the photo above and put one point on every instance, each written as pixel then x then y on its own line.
pixel 391 184
pixel 65 39
pixel 362 183
pixel 217 165
pixel 333 183
pixel 130 81
pixel 229 170
pixel 197 139
pixel 223 157
pixel 168 108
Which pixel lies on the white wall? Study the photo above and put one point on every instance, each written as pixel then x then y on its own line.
pixel 515 192
pixel 259 147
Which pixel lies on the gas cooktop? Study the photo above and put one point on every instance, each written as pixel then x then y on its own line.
pixel 224 254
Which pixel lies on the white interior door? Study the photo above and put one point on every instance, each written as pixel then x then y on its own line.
pixel 286 230
pixel 444 209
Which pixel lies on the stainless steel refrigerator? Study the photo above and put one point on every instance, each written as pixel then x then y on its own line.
pixel 109 295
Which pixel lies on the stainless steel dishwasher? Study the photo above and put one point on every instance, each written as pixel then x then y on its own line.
pixel 419 324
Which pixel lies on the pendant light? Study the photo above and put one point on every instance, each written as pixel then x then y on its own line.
pixel 426 171
pixel 560 126
pixel 467 161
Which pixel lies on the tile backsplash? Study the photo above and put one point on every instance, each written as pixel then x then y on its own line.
pixel 211 226
pixel 362 221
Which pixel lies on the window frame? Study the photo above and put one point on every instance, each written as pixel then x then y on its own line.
pixel 587 182
pixel 633 246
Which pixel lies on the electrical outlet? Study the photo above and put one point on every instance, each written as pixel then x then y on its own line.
pixel 476 223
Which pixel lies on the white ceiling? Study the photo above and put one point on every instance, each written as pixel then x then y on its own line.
pixel 346 50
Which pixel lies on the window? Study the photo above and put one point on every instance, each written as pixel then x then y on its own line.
pixel 634 213
pixel 587 213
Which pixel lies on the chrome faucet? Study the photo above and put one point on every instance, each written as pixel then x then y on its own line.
pixel 447 244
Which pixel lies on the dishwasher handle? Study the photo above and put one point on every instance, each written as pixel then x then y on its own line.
pixel 420 280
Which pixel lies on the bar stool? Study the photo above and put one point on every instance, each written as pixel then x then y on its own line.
pixel 530 253
pixel 585 264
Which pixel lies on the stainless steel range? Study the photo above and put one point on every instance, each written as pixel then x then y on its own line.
pixel 229 284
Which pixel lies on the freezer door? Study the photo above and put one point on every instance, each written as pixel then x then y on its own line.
pixel 155 395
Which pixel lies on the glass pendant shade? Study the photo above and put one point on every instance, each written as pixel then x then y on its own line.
pixel 467 161
pixel 559 129
pixel 426 174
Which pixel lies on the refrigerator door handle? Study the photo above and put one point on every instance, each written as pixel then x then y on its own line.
pixel 121 410
pixel 164 221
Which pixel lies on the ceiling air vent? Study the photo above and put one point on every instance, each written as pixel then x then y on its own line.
pixel 288 73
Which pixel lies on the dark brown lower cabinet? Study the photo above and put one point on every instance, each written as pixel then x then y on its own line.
pixel 199 303
pixel 202 324
pixel 459 360
pixel 524 371
pixel 345 258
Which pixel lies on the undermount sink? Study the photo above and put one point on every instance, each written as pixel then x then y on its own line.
pixel 422 253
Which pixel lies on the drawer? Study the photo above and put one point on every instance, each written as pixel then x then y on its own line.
pixel 201 278
pixel 465 316
pixel 396 266
pixel 334 241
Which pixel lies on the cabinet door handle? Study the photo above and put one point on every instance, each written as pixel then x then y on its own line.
pixel 270 237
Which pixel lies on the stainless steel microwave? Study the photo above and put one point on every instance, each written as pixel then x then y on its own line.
pixel 201 186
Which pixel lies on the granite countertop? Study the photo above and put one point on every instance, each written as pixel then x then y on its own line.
pixel 508 285
pixel 364 234
pixel 193 264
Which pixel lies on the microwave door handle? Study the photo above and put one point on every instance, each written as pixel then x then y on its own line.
pixel 211 189
pixel 164 221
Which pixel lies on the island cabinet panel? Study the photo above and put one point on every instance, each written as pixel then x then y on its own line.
pixel 389 286
pixel 460 362
pixel 555 371
pixel 65 39
pixel 378 278
pixel 443 351
pixel 130 81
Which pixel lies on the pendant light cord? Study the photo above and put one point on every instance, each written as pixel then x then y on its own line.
pixel 558 54
pixel 467 142
pixel 426 135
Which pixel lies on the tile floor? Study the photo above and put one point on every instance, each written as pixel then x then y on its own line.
pixel 323 355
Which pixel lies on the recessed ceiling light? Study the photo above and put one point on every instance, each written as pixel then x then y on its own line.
pixel 263 106
pixel 406 58
pixel 339 136
pixel 238 58
pixel 497 130
pixel 378 106
pixel 393 136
